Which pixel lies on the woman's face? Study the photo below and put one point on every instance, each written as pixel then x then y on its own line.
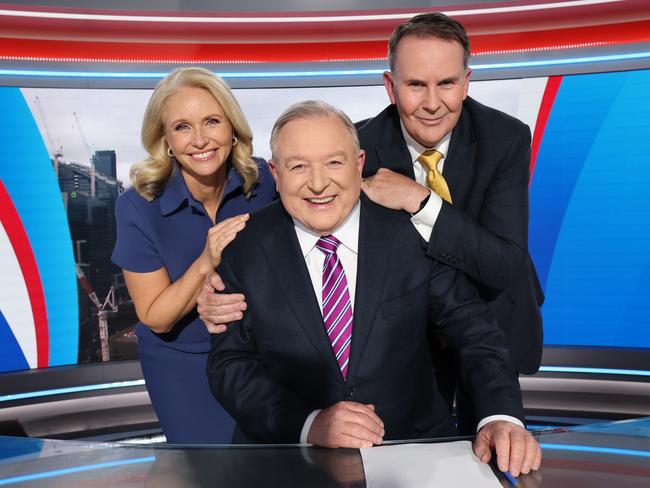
pixel 197 131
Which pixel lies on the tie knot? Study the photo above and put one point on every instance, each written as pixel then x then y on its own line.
pixel 328 244
pixel 430 158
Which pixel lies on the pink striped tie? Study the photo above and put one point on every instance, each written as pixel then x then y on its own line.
pixel 337 307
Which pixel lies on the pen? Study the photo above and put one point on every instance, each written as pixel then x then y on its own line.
pixel 511 478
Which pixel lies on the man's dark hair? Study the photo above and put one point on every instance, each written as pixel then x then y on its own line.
pixel 432 24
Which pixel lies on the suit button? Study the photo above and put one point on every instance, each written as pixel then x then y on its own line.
pixel 349 392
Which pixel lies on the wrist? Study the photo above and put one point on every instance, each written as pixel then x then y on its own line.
pixel 205 265
pixel 421 203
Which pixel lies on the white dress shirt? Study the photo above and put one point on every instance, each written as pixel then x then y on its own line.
pixel 348 235
pixel 426 218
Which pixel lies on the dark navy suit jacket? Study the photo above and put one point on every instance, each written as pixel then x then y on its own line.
pixel 485 232
pixel 275 366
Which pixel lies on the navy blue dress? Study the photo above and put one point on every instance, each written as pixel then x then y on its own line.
pixel 170 232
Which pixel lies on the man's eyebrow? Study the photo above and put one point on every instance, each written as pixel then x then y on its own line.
pixel 335 154
pixel 450 79
pixel 414 80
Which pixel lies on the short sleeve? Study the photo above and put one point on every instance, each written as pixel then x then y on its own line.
pixel 135 250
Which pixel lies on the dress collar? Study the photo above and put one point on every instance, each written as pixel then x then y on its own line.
pixel 176 193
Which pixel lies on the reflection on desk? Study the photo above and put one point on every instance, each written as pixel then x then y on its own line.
pixel 610 454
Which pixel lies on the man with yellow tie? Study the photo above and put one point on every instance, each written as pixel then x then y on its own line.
pixel 462 170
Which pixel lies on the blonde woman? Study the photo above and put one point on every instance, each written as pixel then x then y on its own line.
pixel 189 199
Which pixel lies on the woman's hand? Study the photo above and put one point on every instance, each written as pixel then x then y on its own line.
pixel 219 236
pixel 159 303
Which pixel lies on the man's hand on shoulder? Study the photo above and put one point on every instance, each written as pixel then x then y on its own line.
pixel 393 190
pixel 516 449
pixel 347 424
pixel 218 309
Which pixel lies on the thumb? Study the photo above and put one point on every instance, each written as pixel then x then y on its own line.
pixel 217 282
pixel 482 448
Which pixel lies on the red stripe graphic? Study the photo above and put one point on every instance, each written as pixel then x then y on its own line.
pixel 289 49
pixel 23 249
pixel 552 87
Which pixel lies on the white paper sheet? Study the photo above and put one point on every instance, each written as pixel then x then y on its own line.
pixel 426 465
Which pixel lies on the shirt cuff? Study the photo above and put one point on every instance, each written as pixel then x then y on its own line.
pixel 426 218
pixel 506 418
pixel 307 425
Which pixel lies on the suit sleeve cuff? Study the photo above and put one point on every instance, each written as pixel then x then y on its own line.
pixel 506 418
pixel 307 425
pixel 425 219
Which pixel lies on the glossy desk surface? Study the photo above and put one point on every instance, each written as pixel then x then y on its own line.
pixel 613 454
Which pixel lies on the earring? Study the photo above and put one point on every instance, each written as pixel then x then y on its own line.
pixel 169 152
pixel 234 141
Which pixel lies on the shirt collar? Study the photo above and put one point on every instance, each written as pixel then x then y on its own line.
pixel 347 233
pixel 176 192
pixel 416 149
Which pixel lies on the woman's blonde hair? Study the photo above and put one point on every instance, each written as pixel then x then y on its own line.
pixel 150 176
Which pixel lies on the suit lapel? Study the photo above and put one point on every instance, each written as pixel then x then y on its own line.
pixel 460 162
pixel 389 146
pixel 372 264
pixel 285 258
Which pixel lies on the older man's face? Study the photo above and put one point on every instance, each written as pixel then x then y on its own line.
pixel 317 172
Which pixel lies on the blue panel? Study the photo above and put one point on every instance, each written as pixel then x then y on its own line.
pixel 11 356
pixel 75 469
pixel 27 173
pixel 590 207
pixel 19 448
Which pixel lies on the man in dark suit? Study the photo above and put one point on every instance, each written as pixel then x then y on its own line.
pixel 480 224
pixel 332 349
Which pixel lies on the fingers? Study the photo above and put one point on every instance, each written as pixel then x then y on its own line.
pixel 216 329
pixel 367 182
pixel 516 449
pixel 353 442
pixel 232 224
pixel 358 427
pixel 212 282
pixel 533 457
pixel 222 234
pixel 215 281
pixel 393 190
pixel 500 441
pixel 482 449
pixel 347 424
pixel 367 418
pixel 524 452
pixel 216 310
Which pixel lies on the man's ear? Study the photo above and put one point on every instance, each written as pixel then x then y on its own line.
pixel 389 84
pixel 274 172
pixel 468 73
pixel 361 159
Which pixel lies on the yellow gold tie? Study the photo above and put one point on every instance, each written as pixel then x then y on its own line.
pixel 430 159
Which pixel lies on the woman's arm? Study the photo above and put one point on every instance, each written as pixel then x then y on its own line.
pixel 159 303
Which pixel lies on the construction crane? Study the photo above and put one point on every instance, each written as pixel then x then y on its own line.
pixel 89 151
pixel 57 153
pixel 103 309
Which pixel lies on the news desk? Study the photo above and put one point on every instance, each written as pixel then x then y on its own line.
pixel 615 454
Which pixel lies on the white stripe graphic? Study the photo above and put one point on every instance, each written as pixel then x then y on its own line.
pixel 14 300
pixel 296 19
